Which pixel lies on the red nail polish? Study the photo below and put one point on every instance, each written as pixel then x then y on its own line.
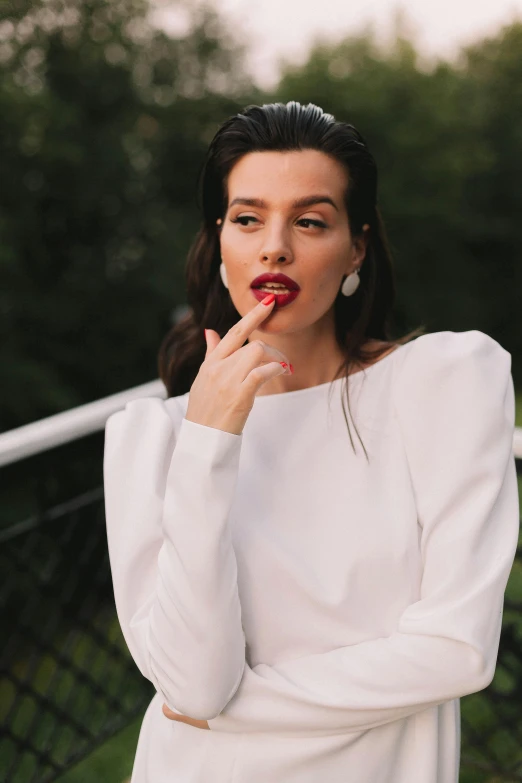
pixel 292 369
pixel 268 299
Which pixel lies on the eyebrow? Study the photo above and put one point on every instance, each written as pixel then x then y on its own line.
pixel 301 202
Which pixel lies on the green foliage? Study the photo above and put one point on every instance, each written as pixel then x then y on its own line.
pixel 103 125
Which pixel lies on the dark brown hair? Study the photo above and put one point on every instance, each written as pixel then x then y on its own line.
pixel 358 318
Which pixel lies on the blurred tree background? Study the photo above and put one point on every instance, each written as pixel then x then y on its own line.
pixel 104 121
pixel 103 124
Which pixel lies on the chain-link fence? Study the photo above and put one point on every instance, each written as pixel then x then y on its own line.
pixel 68 682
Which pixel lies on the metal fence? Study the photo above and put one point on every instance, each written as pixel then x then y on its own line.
pixel 68 682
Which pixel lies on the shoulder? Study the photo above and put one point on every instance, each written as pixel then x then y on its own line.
pixel 453 397
pixel 145 419
pixel 450 377
pixel 457 353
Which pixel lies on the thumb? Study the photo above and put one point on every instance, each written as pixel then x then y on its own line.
pixel 212 339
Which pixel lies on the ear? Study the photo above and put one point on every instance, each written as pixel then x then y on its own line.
pixel 360 244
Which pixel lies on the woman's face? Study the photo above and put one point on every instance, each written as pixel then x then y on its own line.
pixel 311 244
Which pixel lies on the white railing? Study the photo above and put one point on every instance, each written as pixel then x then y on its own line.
pixel 85 419
pixel 70 425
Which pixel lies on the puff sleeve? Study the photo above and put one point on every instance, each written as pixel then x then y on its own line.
pixel 174 572
pixel 454 402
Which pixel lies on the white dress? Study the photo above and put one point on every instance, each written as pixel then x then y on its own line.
pixel 322 612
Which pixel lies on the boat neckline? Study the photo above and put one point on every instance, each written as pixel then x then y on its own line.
pixel 294 392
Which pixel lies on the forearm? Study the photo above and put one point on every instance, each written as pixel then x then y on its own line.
pixel 173 564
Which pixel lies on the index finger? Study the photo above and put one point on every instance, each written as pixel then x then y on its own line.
pixel 237 334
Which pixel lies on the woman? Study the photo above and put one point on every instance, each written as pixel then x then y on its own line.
pixel 305 609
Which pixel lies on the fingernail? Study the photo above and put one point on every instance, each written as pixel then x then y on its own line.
pixel 292 369
pixel 284 365
pixel 268 299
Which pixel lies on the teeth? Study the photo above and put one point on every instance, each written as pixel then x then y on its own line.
pixel 271 289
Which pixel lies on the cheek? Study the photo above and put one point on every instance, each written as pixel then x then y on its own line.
pixel 236 257
pixel 329 253
pixel 233 247
pixel 326 269
pixel 236 260
pixel 324 288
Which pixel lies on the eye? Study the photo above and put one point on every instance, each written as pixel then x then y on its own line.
pixel 242 217
pixel 318 223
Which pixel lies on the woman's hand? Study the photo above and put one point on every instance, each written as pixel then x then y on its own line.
pixel 199 724
pixel 224 389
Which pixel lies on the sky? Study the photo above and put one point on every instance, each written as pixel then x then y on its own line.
pixel 286 28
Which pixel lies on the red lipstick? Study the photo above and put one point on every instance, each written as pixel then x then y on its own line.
pixel 284 297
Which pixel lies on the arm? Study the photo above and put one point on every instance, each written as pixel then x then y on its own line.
pixel 173 566
pixel 454 400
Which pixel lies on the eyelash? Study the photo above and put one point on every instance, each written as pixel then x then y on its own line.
pixel 318 223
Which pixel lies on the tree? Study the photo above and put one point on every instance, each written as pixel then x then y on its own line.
pixel 104 121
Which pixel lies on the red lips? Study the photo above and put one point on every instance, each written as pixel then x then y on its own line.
pixel 281 300
pixel 275 278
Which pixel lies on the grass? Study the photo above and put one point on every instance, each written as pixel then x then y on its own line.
pixel 112 762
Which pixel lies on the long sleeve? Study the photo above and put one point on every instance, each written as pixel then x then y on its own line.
pixel 454 403
pixel 173 566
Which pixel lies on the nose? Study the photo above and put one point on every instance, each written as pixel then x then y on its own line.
pixel 275 246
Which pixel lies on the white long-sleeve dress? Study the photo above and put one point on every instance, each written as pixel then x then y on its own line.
pixel 323 612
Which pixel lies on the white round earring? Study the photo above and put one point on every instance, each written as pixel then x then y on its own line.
pixel 223 273
pixel 351 283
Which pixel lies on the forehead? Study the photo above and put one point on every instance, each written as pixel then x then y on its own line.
pixel 280 177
